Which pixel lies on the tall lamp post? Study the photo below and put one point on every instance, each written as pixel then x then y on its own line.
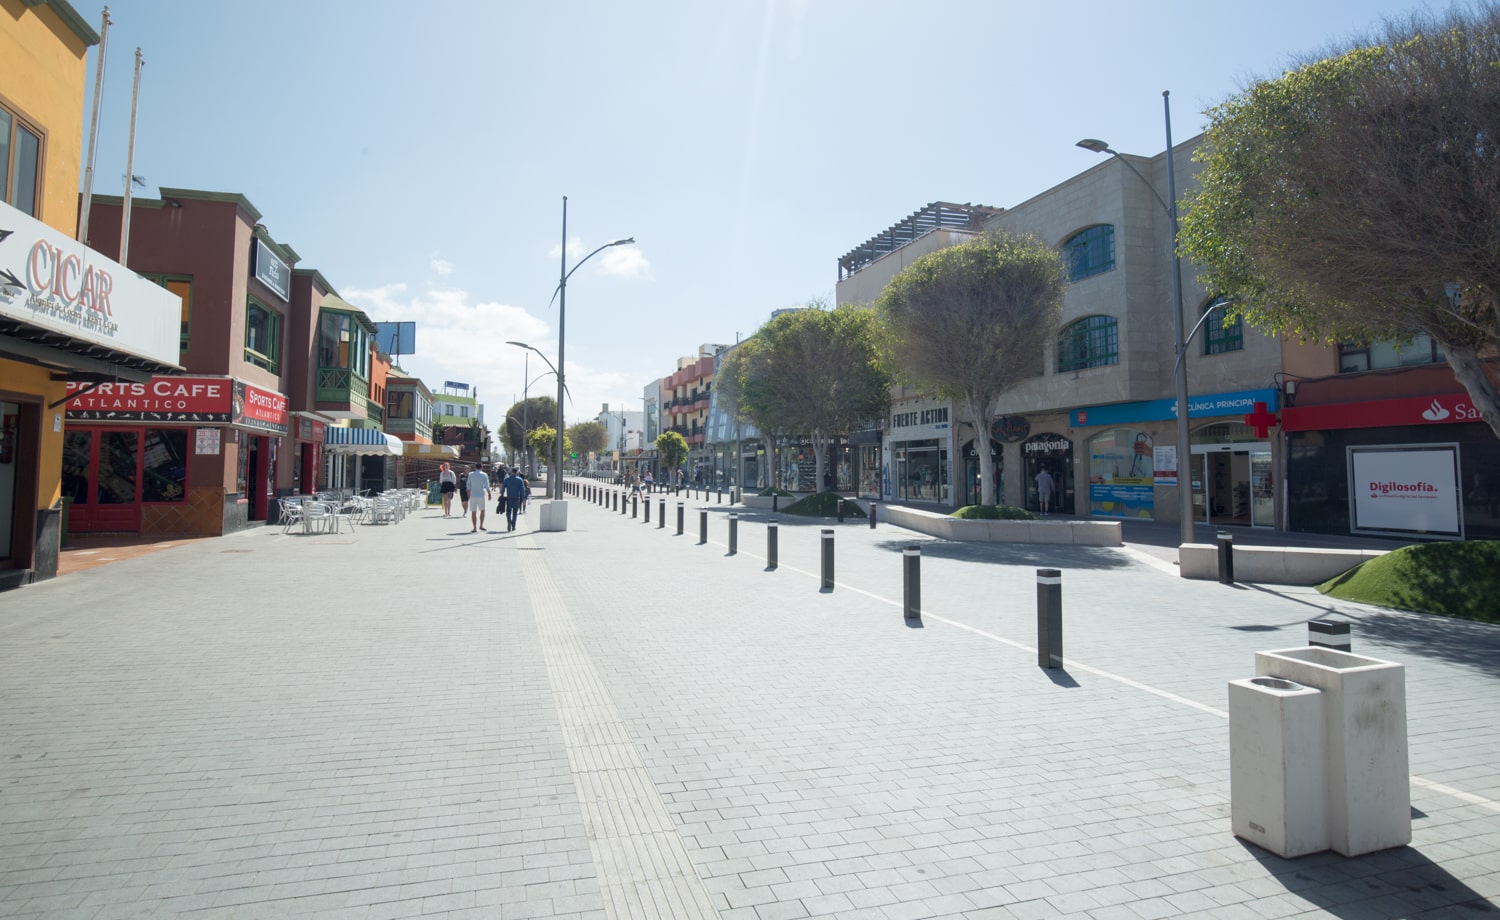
pixel 525 394
pixel 1184 478
pixel 555 479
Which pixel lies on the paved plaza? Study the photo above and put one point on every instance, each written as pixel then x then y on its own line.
pixel 618 721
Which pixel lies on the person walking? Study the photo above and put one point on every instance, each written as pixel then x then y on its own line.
pixel 513 490
pixel 447 485
pixel 463 493
pixel 478 488
pixel 1044 486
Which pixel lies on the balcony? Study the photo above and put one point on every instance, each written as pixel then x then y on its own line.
pixel 343 394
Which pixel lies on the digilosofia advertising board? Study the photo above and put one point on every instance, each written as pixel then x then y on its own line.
pixel 57 283
pixel 1397 489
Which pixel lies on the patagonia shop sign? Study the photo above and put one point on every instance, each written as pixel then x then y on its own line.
pixel 56 283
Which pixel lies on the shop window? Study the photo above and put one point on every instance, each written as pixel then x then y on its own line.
pixel 164 465
pixel 1121 471
pixel 20 162
pixel 1221 333
pixel 1090 252
pixel 398 404
pixel 262 336
pixel 1093 341
pixel 183 287
pixel 1419 349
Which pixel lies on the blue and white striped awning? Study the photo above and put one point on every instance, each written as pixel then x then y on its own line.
pixel 371 441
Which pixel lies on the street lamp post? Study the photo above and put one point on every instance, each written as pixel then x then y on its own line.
pixel 554 481
pixel 1184 479
pixel 525 421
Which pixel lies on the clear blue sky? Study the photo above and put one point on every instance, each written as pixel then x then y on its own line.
pixel 417 154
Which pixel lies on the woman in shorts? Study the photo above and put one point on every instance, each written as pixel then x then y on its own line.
pixel 447 485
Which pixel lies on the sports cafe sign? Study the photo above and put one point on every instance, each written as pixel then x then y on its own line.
pixel 201 400
pixel 57 283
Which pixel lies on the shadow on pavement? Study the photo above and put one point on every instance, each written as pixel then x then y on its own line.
pixel 1399 882
pixel 1463 642
pixel 1042 555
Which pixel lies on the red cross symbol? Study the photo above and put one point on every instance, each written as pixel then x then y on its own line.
pixel 1261 421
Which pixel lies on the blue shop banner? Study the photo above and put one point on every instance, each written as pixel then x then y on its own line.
pixel 1156 410
pixel 1110 500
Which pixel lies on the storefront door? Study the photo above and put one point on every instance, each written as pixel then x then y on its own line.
pixel 1232 484
pixel 100 478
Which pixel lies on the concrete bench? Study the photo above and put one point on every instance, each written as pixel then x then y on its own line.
pixel 1277 565
pixel 935 524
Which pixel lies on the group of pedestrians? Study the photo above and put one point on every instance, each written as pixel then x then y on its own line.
pixel 474 490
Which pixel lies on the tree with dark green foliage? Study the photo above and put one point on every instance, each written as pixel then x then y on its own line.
pixel 532 412
pixel 587 437
pixel 1357 197
pixel 816 371
pixel 970 321
pixel 672 449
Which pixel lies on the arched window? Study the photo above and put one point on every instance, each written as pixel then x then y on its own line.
pixel 1090 252
pixel 1093 341
pixel 1221 334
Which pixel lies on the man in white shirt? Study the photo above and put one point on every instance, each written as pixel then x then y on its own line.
pixel 479 485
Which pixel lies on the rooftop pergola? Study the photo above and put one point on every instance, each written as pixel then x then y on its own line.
pixel 939 215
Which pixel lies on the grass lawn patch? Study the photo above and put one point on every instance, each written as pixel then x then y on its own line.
pixel 1452 579
pixel 994 513
pixel 824 504
pixel 767 493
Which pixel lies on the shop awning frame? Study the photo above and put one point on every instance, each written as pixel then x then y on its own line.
pixel 369 442
pixel 415 449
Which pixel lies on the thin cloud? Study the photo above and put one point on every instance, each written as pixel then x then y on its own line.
pixel 625 262
pixel 441 266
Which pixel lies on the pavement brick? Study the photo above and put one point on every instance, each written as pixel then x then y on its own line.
pixel 371 733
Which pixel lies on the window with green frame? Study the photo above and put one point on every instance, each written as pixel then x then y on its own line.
pixel 182 286
pixel 1220 333
pixel 1090 252
pixel 1093 341
pixel 262 336
pixel 20 162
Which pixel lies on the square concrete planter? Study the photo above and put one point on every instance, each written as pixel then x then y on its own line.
pixel 1278 772
pixel 555 515
pixel 1364 721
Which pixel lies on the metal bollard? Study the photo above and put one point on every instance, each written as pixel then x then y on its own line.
pixel 719 500
pixel 771 544
pixel 1328 634
pixel 635 506
pixel 624 503
pixel 911 581
pixel 680 513
pixel 827 560
pixel 1049 618
pixel 841 511
pixel 702 525
pixel 648 510
pixel 872 515
pixel 734 534
pixel 775 501
pixel 1226 558
pixel 662 518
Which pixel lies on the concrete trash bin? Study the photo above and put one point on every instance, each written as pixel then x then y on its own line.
pixel 1364 723
pixel 555 515
pixel 1278 779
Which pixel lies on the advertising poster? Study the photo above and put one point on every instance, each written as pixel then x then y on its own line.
pixel 1405 490
pixel 1165 465
pixel 1122 474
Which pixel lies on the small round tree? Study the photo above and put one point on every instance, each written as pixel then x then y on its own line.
pixel 673 450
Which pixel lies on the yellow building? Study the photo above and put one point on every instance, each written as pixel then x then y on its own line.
pixel 67 314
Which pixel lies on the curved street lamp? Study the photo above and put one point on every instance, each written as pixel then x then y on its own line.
pixel 526 396
pixel 554 479
pixel 1184 478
